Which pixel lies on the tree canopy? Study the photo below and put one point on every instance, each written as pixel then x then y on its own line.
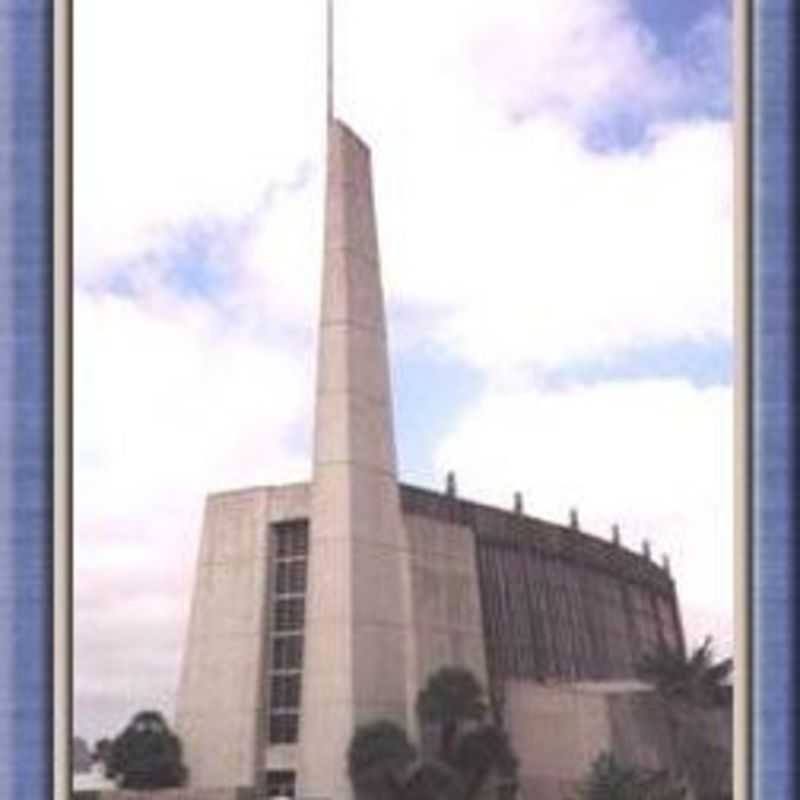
pixel 146 755
pixel 81 756
pixel 451 697
pixel 382 763
pixel 378 754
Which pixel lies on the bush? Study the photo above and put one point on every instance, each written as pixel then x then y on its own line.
pixel 146 755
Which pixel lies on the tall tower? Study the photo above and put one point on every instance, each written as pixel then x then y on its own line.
pixel 357 615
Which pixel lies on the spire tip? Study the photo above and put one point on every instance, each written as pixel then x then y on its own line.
pixel 329 61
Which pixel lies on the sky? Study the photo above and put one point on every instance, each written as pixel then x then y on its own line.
pixel 554 190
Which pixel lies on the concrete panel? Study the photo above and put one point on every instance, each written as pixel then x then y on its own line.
pixel 352 290
pixel 376 589
pixel 225 643
pixel 557 732
pixel 380 685
pixel 329 596
pixel 349 213
pixel 375 511
pixel 358 424
pixel 345 348
pixel 640 730
pixel 292 501
pixel 445 599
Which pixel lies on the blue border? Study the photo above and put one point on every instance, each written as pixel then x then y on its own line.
pixel 26 407
pixel 26 411
pixel 774 318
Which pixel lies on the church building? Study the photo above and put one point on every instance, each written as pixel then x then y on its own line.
pixel 324 605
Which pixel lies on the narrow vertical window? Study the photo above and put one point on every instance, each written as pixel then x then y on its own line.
pixel 287 622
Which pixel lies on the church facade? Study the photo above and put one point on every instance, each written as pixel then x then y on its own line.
pixel 321 606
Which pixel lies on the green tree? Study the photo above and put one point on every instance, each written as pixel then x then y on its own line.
pixel 478 753
pixel 384 765
pixel 146 755
pixel 451 697
pixel 470 747
pixel 102 751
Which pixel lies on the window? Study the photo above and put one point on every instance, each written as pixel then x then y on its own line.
pixel 280 783
pixel 290 614
pixel 291 538
pixel 290 576
pixel 283 728
pixel 287 652
pixel 290 548
pixel 285 691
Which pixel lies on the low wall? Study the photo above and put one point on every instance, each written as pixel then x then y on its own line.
pixel 559 730
pixel 187 793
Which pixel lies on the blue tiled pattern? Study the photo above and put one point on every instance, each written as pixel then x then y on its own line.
pixel 25 412
pixel 6 411
pixel 774 423
pixel 25 406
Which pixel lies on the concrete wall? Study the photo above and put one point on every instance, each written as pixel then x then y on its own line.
pixel 221 704
pixel 559 730
pixel 640 730
pixel 705 747
pixel 556 732
pixel 223 698
pixel 446 610
pixel 557 603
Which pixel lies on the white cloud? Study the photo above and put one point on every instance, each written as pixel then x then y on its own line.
pixel 535 251
pixel 573 58
pixel 179 397
pixel 184 109
pixel 653 456
pixel 211 120
pixel 590 61
pixel 280 261
pixel 171 402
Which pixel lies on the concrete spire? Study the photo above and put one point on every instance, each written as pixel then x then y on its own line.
pixel 353 385
pixel 357 616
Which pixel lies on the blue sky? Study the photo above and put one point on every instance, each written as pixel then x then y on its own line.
pixel 671 22
pixel 554 194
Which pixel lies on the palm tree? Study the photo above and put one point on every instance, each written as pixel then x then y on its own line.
pixel 384 765
pixel 451 697
pixel 696 680
pixel 481 751
pixel 430 779
pixel 379 757
pixel 690 687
